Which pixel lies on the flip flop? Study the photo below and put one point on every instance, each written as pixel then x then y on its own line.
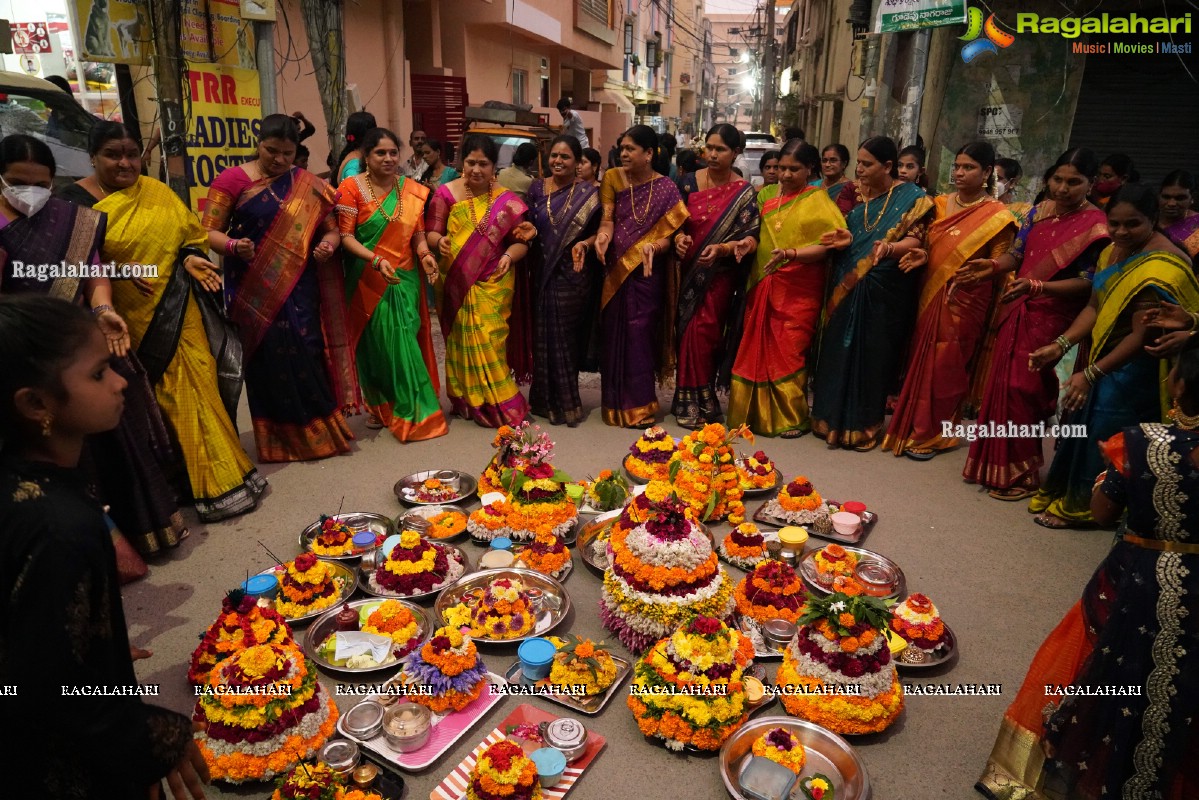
pixel 374 423
pixel 1011 495
pixel 866 448
pixel 916 455
pixel 1052 521
pixel 794 433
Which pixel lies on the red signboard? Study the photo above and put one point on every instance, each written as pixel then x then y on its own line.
pixel 30 37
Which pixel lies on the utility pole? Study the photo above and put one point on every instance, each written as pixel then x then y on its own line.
pixel 768 71
pixel 168 76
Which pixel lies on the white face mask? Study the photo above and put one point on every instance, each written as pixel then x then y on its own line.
pixel 28 200
pixel 1000 188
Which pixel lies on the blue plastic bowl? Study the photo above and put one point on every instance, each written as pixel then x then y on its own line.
pixel 550 763
pixel 261 586
pixel 536 657
pixel 501 543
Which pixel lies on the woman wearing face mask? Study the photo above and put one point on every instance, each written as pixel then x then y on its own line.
pixel 271 222
pixel 566 212
pixel 381 217
pixel 437 172
pixel 872 306
pixel 1176 218
pixel 783 300
pixel 134 464
pixel 191 354
pixel 720 231
pixel 1054 256
pixel 478 231
pixel 1122 384
pixel 642 211
pixel 953 312
pixel 1114 171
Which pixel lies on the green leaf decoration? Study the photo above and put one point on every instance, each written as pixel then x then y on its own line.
pixel 675 465
pixel 813 793
pixel 562 477
pixel 710 507
pixel 872 611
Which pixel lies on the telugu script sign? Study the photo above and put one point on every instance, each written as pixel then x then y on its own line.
pixel 895 16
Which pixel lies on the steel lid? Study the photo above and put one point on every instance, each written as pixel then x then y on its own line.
pixel 565 732
pixel 364 720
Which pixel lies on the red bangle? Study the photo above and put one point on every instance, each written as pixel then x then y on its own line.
pixel 230 246
pixel 995 264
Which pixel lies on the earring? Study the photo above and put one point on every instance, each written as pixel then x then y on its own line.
pixel 46 422
pixel 1183 420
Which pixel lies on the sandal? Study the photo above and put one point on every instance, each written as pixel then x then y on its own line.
pixel 920 455
pixel 866 448
pixel 1014 495
pixel 1056 523
pixel 794 433
pixel 374 423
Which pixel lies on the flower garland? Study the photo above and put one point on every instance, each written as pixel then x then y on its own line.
pixel 243 622
pixel 649 457
pixel 676 698
pixel 582 662
pixel 522 522
pixel 744 546
pixel 704 474
pixel 771 591
pixel 308 585
pixel 335 538
pixel 503 770
pixel 782 747
pixel 757 472
pixel 447 524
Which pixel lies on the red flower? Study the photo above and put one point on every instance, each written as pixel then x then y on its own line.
pixel 305 562
pixel 799 489
pixel 705 626
pixel 760 456
pixel 441 643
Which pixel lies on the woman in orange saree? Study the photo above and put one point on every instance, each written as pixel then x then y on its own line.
pixel 783 300
pixel 382 228
pixel 285 297
pixel 722 229
pixel 1055 251
pixel 952 316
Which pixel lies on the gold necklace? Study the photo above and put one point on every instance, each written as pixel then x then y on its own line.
pixel 649 202
pixel 866 211
pixel 957 201
pixel 569 199
pixel 485 226
pixel 370 188
pixel 1181 420
pixel 783 216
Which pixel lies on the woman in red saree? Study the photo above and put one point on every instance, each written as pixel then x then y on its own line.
pixel 1055 253
pixel 383 233
pixel 480 233
pixel 953 313
pixel 272 223
pixel 783 300
pixel 721 231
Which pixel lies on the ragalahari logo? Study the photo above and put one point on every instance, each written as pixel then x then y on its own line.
pixel 983 37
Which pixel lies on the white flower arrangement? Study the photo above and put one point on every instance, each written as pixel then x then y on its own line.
pixel 819 519
pixel 309 727
pixel 687 554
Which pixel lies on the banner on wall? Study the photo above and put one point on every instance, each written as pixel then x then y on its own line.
pixel 222 131
pixel 231 37
pixel 113 31
pixel 193 31
pixel 895 16
pixel 260 10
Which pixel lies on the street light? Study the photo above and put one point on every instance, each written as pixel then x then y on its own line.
pixel 747 83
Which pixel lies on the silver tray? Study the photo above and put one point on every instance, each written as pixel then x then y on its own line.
pixel 553 611
pixel 588 533
pixel 869 518
pixel 428 512
pixel 350 583
pixel 569 568
pixel 591 704
pixel 467 485
pixel 624 463
pixel 358 521
pixel 320 630
pixel 367 567
pixel 752 628
pixel 827 753
pixel 778 481
pixel 807 571
pixel 938 658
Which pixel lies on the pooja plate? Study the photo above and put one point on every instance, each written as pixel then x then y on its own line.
pixel 625 464
pixel 358 521
pixel 405 488
pixel 553 611
pixel 569 538
pixel 427 513
pixel 752 628
pixel 447 729
pixel 827 753
pixel 588 533
pixel 936 659
pixel 807 571
pixel 758 492
pixel 589 704
pixel 566 570
pixel 320 630
pixel 869 519
pixel 367 568
pixel 343 574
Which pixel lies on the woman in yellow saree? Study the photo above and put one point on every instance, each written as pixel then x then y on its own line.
pixel 1122 385
pixel 382 228
pixel 784 300
pixel 955 306
pixel 192 358
pixel 479 231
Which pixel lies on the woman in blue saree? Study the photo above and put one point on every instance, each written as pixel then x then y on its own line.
pixel 566 212
pixel 1121 385
pixel 871 308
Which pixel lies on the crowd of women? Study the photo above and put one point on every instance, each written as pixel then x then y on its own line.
pixel 898 313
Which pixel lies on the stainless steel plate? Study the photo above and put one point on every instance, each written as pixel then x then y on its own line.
pixel 807 571
pixel 324 627
pixel 869 518
pixel 553 611
pixel 428 512
pixel 827 753
pixel 778 481
pixel 938 658
pixel 589 533
pixel 590 704
pixel 358 521
pixel 368 569
pixel 751 628
pixel 405 488
pixel 343 574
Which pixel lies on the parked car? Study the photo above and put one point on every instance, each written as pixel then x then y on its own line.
pixel 40 109
pixel 757 144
